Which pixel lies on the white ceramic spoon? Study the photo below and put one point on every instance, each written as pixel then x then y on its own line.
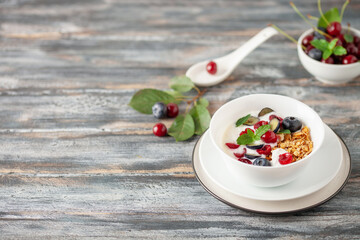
pixel 226 64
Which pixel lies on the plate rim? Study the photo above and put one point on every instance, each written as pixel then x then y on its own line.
pixel 281 212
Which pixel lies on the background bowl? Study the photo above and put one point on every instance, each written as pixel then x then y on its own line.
pixel 328 73
pixel 285 106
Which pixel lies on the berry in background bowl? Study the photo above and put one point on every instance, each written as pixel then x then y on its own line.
pixel 334 69
pixel 259 174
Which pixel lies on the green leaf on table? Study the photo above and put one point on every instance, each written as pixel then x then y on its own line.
pixel 339 51
pixel 326 54
pixel 261 130
pixel 244 139
pixel 332 43
pixel 242 120
pixel 284 131
pixel 182 128
pixel 176 95
pixel 331 16
pixel 320 44
pixel 203 102
pixel 144 99
pixel 201 117
pixel 349 38
pixel 181 84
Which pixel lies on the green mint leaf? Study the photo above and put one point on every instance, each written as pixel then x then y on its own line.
pixel 176 95
pixel 331 16
pixel 250 133
pixel 320 44
pixel 261 130
pixel 326 54
pixel 203 101
pixel 257 138
pixel 182 128
pixel 332 44
pixel 339 51
pixel 244 139
pixel 242 120
pixel 349 38
pixel 285 131
pixel 201 117
pixel 181 84
pixel 143 100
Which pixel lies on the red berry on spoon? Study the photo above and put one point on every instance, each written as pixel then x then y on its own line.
pixel 211 67
pixel 285 158
pixel 159 130
pixel 172 110
pixel 349 59
pixel 334 29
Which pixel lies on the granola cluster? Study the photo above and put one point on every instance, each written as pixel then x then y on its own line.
pixel 299 144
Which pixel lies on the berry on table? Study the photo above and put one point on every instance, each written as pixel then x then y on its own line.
pixel 306 40
pixel 172 110
pixel 211 67
pixel 285 158
pixel 292 123
pixel 159 110
pixel 159 130
pixel 269 137
pixel 334 29
pixel 315 54
pixel 349 59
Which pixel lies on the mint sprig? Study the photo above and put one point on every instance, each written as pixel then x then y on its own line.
pixel 242 120
pixel 250 137
pixel 328 48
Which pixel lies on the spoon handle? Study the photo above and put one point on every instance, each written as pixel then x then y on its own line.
pixel 235 57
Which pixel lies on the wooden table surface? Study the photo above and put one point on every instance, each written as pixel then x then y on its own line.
pixel 77 161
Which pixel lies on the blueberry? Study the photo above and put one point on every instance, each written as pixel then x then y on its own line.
pixel 315 54
pixel 319 36
pixel 261 162
pixel 292 123
pixel 159 110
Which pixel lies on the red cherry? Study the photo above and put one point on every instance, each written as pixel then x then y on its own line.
pixel 260 123
pixel 159 130
pixel 244 160
pixel 330 60
pixel 351 49
pixel 341 37
pixel 266 150
pixel 306 40
pixel 211 67
pixel 232 145
pixel 285 158
pixel 172 110
pixel 240 155
pixel 356 40
pixel 308 48
pixel 349 59
pixel 245 131
pixel 339 42
pixel 334 29
pixel 269 137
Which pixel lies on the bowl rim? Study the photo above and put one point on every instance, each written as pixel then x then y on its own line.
pixel 301 161
pixel 338 66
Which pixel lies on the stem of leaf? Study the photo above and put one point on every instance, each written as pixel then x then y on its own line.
pixel 321 13
pixel 343 9
pixel 286 35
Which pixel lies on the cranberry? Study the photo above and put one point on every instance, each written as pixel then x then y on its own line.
pixel 172 110
pixel 269 137
pixel 260 123
pixel 308 48
pixel 211 67
pixel 266 150
pixel 349 59
pixel 341 37
pixel 245 131
pixel 351 49
pixel 306 41
pixel 232 145
pixel 244 160
pixel 240 155
pixel 356 40
pixel 339 42
pixel 285 158
pixel 330 60
pixel 334 29
pixel 159 130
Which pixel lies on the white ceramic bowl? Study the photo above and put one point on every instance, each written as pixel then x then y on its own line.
pixel 328 73
pixel 261 176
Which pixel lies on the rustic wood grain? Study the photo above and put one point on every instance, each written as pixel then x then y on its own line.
pixel 77 162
